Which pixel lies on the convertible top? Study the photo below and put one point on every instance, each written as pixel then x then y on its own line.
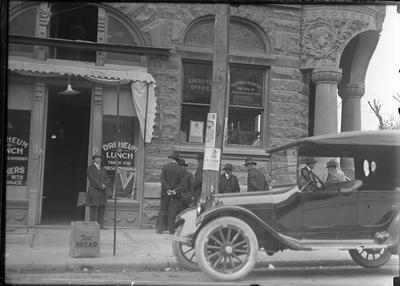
pixel 345 142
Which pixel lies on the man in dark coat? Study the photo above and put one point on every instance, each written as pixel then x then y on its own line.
pixel 198 178
pixel 307 177
pixel 228 183
pixel 171 176
pixel 181 197
pixel 96 196
pixel 255 179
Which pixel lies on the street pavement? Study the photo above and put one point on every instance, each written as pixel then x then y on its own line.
pixel 46 248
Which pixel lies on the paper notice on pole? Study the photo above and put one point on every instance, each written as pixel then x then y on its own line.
pixel 211 130
pixel 212 157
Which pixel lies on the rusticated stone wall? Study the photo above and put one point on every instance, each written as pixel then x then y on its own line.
pixel 286 93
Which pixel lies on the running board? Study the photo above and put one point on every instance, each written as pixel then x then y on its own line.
pixel 340 244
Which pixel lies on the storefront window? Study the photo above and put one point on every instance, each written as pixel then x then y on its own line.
pixel 195 101
pixel 126 178
pixel 18 129
pixel 246 105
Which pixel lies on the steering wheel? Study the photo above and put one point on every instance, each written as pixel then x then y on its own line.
pixel 310 182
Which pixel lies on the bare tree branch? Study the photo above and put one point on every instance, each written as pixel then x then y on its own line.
pixel 376 109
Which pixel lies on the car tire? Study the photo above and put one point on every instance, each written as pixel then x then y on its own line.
pixel 185 254
pixel 370 258
pixel 226 249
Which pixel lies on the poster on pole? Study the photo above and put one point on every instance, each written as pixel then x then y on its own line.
pixel 211 130
pixel 212 158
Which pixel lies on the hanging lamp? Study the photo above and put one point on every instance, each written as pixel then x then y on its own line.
pixel 69 90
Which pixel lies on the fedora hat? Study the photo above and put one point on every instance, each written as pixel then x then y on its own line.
pixel 332 163
pixel 182 162
pixel 309 160
pixel 228 167
pixel 97 155
pixel 200 156
pixel 249 161
pixel 174 155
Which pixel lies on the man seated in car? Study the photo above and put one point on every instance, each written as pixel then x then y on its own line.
pixel 334 174
pixel 307 177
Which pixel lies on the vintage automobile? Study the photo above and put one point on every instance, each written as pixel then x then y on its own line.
pixel 360 215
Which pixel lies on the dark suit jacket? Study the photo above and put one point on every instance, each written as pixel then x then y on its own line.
pixel 96 194
pixel 230 185
pixel 256 181
pixel 184 191
pixel 197 181
pixel 171 176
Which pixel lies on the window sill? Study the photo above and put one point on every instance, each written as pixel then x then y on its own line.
pixel 229 152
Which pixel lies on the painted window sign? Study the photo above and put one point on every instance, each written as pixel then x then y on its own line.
pixel 246 87
pixel 18 128
pixel 124 151
pixel 197 83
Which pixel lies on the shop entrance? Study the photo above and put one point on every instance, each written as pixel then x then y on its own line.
pixel 67 140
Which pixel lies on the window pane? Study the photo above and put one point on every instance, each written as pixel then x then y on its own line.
pixel 192 132
pixel 244 126
pixel 119 34
pixel 23 24
pixel 197 82
pixel 246 86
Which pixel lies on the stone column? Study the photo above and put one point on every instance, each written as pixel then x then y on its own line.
pixel 351 106
pixel 325 117
pixel 351 118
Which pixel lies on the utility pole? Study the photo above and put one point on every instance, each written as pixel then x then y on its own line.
pixel 216 116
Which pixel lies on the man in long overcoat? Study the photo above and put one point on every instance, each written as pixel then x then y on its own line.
pixel 96 196
pixel 228 183
pixel 255 179
pixel 181 197
pixel 171 176
pixel 198 178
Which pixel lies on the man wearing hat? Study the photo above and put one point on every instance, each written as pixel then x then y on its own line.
pixel 96 196
pixel 307 176
pixel 198 178
pixel 334 175
pixel 228 183
pixel 171 176
pixel 255 179
pixel 182 195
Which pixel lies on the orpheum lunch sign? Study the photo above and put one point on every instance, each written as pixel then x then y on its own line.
pixel 122 152
pixel 18 125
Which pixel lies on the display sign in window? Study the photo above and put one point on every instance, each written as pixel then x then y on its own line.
pixel 197 83
pixel 246 87
pixel 126 177
pixel 18 129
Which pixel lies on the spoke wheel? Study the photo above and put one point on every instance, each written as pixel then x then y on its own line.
pixel 370 258
pixel 226 249
pixel 185 254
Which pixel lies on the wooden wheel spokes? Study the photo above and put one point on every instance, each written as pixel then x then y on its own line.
pixel 227 249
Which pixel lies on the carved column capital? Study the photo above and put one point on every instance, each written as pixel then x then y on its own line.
pixel 351 90
pixel 40 89
pixel 326 30
pixel 98 95
pixel 326 76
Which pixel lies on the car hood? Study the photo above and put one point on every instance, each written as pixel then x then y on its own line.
pixel 274 196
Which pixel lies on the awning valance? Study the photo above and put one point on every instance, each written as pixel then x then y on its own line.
pixel 142 83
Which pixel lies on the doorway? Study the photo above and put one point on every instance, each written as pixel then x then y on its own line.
pixel 66 155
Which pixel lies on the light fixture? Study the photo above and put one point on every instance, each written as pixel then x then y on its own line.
pixel 69 90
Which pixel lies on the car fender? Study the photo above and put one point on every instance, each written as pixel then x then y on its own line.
pixel 394 232
pixel 251 219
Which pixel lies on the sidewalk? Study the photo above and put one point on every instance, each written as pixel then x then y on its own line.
pixel 47 249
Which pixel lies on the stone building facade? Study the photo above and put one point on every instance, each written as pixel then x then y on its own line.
pixel 287 64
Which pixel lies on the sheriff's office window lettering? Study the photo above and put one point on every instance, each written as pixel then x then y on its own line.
pixel 18 129
pixel 246 106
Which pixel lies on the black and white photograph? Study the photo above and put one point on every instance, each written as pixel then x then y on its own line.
pixel 200 143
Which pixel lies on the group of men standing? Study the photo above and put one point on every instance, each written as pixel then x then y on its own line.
pixel 180 189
